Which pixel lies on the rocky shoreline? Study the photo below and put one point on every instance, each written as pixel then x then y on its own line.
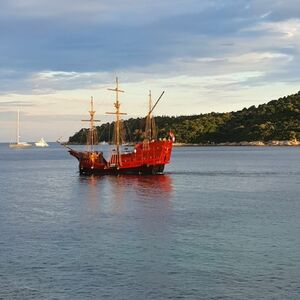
pixel 244 143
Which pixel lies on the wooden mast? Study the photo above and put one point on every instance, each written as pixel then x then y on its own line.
pixel 91 134
pixel 150 130
pixel 149 119
pixel 18 127
pixel 117 141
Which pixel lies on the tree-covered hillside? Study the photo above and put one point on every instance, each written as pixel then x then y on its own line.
pixel 276 120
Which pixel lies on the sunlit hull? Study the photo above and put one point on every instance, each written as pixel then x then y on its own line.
pixel 20 145
pixel 41 145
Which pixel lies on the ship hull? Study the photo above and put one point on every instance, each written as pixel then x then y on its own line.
pixel 146 158
pixel 20 146
pixel 142 170
pixel 41 145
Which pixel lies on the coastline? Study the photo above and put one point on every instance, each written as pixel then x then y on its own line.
pixel 276 143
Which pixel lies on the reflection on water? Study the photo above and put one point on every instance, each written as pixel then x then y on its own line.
pixel 141 185
pixel 120 192
pixel 92 192
pixel 144 185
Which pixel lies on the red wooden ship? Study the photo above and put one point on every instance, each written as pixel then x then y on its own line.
pixel 147 157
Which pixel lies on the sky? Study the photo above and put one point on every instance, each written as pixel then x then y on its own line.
pixel 207 55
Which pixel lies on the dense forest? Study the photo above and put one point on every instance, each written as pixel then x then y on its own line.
pixel 276 120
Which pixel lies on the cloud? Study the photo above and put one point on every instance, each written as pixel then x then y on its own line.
pixel 266 15
pixel 210 71
pixel 52 81
pixel 16 103
pixel 289 29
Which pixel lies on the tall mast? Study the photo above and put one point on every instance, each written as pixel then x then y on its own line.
pixel 117 105
pixel 91 135
pixel 18 127
pixel 150 130
pixel 150 103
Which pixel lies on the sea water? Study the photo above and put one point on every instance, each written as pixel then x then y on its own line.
pixel 222 223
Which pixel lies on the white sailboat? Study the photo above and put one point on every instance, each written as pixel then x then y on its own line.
pixel 19 144
pixel 41 143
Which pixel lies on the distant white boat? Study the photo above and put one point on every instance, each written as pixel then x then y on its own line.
pixel 41 143
pixel 18 144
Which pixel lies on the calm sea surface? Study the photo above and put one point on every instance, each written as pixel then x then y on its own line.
pixel 222 223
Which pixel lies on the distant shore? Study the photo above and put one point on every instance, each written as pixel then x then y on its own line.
pixel 293 143
pixel 244 143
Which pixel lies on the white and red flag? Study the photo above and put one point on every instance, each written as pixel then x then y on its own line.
pixel 172 136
